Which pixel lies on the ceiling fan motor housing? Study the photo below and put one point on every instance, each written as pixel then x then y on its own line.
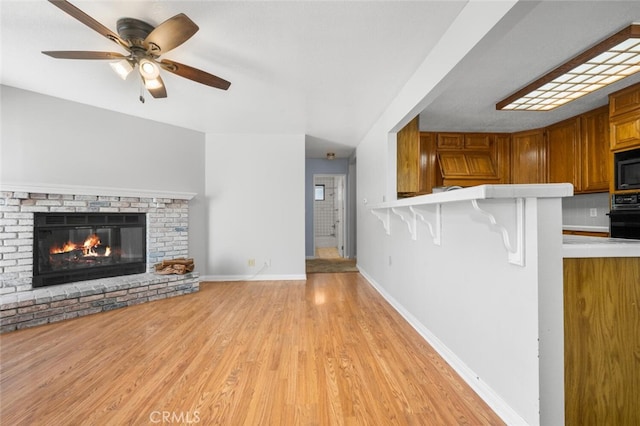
pixel 133 30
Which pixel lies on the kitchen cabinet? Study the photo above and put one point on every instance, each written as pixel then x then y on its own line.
pixel 471 165
pixel 469 159
pixel 416 161
pixel 602 341
pixel 578 151
pixel 471 141
pixel 563 152
pixel 624 115
pixel 450 141
pixel 597 160
pixel 409 158
pixel 625 131
pixel 624 101
pixel 528 158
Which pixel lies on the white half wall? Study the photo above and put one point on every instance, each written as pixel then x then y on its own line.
pixel 47 140
pixel 485 313
pixel 255 188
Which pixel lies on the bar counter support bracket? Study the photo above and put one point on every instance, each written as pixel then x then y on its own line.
pixel 409 220
pixel 385 217
pixel 515 251
pixel 435 229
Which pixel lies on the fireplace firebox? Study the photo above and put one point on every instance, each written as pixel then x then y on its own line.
pixel 70 247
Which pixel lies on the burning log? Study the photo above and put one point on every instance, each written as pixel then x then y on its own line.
pixel 175 266
pixel 58 259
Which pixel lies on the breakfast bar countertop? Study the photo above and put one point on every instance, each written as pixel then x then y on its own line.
pixel 580 246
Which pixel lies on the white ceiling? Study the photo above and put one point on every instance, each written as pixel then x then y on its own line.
pixel 327 69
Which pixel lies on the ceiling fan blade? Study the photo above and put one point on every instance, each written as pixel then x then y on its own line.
pixel 155 87
pixel 89 21
pixel 80 54
pixel 194 74
pixel 170 34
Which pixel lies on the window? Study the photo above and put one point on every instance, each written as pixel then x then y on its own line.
pixel 319 193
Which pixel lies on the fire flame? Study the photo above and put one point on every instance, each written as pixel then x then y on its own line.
pixel 88 247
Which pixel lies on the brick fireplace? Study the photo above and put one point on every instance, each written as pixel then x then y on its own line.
pixel 167 237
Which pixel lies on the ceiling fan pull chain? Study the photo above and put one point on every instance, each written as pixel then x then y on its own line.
pixel 141 91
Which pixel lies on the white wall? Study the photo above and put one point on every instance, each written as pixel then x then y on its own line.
pixel 255 206
pixel 488 320
pixel 46 140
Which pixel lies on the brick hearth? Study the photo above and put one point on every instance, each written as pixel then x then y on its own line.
pixel 23 306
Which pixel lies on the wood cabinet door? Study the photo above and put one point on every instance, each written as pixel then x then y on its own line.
pixel 563 156
pixel 528 163
pixel 481 164
pixel 625 131
pixel 453 164
pixel 624 101
pixel 450 141
pixel 597 161
pixel 408 158
pixel 601 341
pixel 478 141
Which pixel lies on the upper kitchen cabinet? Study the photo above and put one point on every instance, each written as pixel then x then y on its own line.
pixel 470 141
pixel 468 159
pixel 450 141
pixel 596 155
pixel 528 159
pixel 578 151
pixel 416 161
pixel 624 116
pixel 563 152
pixel 408 158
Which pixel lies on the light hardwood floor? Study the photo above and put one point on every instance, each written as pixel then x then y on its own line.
pixel 322 352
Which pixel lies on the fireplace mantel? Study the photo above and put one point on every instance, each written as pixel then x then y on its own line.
pixel 49 188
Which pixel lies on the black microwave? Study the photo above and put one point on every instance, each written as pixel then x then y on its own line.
pixel 627 169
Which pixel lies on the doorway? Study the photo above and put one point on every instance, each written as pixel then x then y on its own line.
pixel 329 208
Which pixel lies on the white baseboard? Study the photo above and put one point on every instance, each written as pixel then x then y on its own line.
pixel 261 277
pixel 493 400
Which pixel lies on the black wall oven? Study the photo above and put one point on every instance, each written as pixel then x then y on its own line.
pixel 625 216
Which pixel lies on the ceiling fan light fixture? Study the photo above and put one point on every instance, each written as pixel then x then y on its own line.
pixel 123 68
pixel 152 83
pixel 605 63
pixel 148 69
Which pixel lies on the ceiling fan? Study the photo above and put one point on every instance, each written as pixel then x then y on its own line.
pixel 145 44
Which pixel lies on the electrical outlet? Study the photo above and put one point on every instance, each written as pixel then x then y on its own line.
pixel 390 261
pixel 593 212
pixel 251 263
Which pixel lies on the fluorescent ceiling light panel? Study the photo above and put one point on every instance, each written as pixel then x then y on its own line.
pixel 603 64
